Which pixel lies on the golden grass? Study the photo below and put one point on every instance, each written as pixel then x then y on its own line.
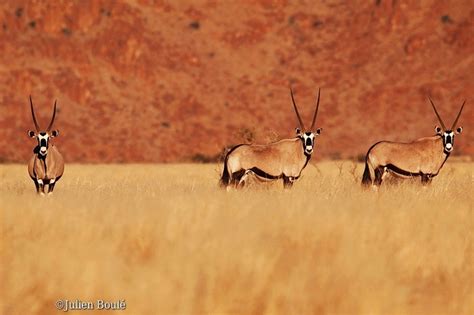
pixel 168 241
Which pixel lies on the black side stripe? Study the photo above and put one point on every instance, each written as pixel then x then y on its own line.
pixel 45 168
pixel 263 174
pixel 308 157
pixel 445 159
pixel 395 169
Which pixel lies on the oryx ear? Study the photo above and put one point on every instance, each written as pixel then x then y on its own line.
pixel 31 134
pixel 438 130
pixel 458 130
pixel 54 133
pixel 318 131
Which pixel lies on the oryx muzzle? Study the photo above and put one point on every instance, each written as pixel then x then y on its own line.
pixel 46 166
pixel 423 157
pixel 284 159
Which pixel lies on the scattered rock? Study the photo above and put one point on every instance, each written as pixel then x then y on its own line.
pixel 317 23
pixel 67 31
pixel 446 19
pixel 105 12
pixel 195 25
pixel 19 12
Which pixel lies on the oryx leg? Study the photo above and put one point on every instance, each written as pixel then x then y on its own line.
pixel 244 178
pixel 40 184
pixel 385 173
pixel 426 179
pixel 36 185
pixel 379 172
pixel 236 177
pixel 52 182
pixel 288 181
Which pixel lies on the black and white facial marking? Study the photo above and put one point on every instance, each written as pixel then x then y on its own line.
pixel 308 138
pixel 43 140
pixel 448 138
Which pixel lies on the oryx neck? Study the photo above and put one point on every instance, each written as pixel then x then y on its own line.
pixel 36 151
pixel 308 157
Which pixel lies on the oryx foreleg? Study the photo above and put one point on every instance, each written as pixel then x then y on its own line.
pixel 36 185
pixel 52 182
pixel 426 179
pixel 39 186
pixel 288 181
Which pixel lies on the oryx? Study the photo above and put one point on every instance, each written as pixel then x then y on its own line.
pixel 423 157
pixel 284 159
pixel 46 166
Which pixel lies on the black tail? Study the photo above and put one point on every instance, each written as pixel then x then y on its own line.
pixel 225 178
pixel 366 180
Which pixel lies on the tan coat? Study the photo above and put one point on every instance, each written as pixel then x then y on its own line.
pixel 52 167
pixel 422 156
pixel 285 157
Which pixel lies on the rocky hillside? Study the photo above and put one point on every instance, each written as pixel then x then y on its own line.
pixel 173 81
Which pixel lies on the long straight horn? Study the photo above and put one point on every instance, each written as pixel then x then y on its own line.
pixel 459 114
pixel 52 119
pixel 316 111
pixel 436 112
pixel 296 111
pixel 33 114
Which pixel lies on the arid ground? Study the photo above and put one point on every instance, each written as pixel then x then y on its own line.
pixel 168 241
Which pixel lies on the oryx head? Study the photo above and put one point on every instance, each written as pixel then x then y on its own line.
pixel 43 136
pixel 307 135
pixel 445 133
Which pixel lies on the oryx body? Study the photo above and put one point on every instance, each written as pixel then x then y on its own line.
pixel 46 166
pixel 423 157
pixel 284 159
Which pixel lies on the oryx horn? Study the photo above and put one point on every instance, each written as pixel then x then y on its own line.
pixel 296 111
pixel 316 111
pixel 52 119
pixel 33 114
pixel 459 114
pixel 437 114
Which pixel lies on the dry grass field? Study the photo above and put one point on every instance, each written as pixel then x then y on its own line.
pixel 168 241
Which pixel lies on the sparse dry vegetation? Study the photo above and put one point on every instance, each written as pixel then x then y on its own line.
pixel 168 241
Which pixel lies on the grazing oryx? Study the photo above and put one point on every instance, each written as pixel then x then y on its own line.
pixel 47 165
pixel 423 157
pixel 284 159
